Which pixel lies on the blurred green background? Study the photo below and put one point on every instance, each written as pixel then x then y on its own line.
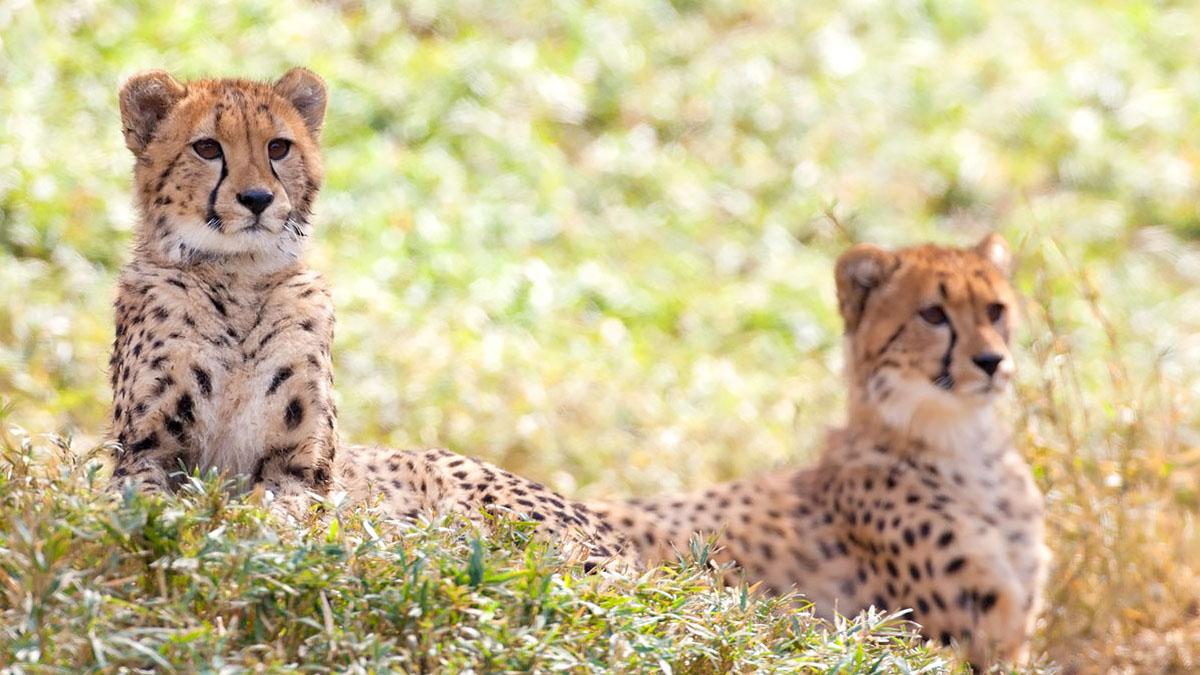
pixel 592 242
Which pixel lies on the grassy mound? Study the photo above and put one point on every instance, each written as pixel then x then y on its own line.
pixel 205 581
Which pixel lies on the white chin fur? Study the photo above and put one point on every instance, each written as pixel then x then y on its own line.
pixel 194 240
pixel 943 419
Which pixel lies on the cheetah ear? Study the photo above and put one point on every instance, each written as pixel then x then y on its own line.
pixel 305 90
pixel 859 271
pixel 994 249
pixel 145 99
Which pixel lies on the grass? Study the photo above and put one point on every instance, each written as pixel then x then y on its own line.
pixel 593 244
pixel 203 582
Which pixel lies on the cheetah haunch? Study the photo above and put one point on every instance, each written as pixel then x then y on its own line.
pixel 920 501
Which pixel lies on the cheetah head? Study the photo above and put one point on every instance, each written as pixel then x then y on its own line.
pixel 927 333
pixel 224 168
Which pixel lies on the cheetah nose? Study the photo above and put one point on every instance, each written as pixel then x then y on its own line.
pixel 988 362
pixel 256 200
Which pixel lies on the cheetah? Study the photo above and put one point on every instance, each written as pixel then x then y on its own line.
pixel 222 354
pixel 222 358
pixel 920 502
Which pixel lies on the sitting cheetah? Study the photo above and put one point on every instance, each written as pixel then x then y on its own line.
pixel 921 501
pixel 222 352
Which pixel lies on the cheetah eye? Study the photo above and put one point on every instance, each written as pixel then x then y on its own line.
pixel 278 148
pixel 934 315
pixel 995 312
pixel 207 148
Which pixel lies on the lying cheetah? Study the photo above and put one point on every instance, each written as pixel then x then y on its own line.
pixel 222 354
pixel 920 501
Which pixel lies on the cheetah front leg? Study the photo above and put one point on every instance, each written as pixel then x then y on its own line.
pixel 156 435
pixel 155 425
pixel 293 473
pixel 986 610
pixel 289 350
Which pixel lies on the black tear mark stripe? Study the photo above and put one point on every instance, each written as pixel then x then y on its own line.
pixel 211 217
pixel 944 379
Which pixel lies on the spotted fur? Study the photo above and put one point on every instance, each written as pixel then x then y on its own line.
pixel 432 483
pixel 921 501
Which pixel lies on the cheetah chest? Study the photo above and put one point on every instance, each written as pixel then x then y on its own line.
pixel 255 360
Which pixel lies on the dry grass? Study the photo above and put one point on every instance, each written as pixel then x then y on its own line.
pixel 1111 441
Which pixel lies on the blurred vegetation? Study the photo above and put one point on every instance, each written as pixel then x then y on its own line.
pixel 592 242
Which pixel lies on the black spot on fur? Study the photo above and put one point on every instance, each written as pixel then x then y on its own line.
pixel 147 443
pixel 202 380
pixel 937 600
pixel 955 564
pixel 218 305
pixel 175 428
pixel 162 384
pixel 294 414
pixel 185 409
pixel 281 376
pixel 987 602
